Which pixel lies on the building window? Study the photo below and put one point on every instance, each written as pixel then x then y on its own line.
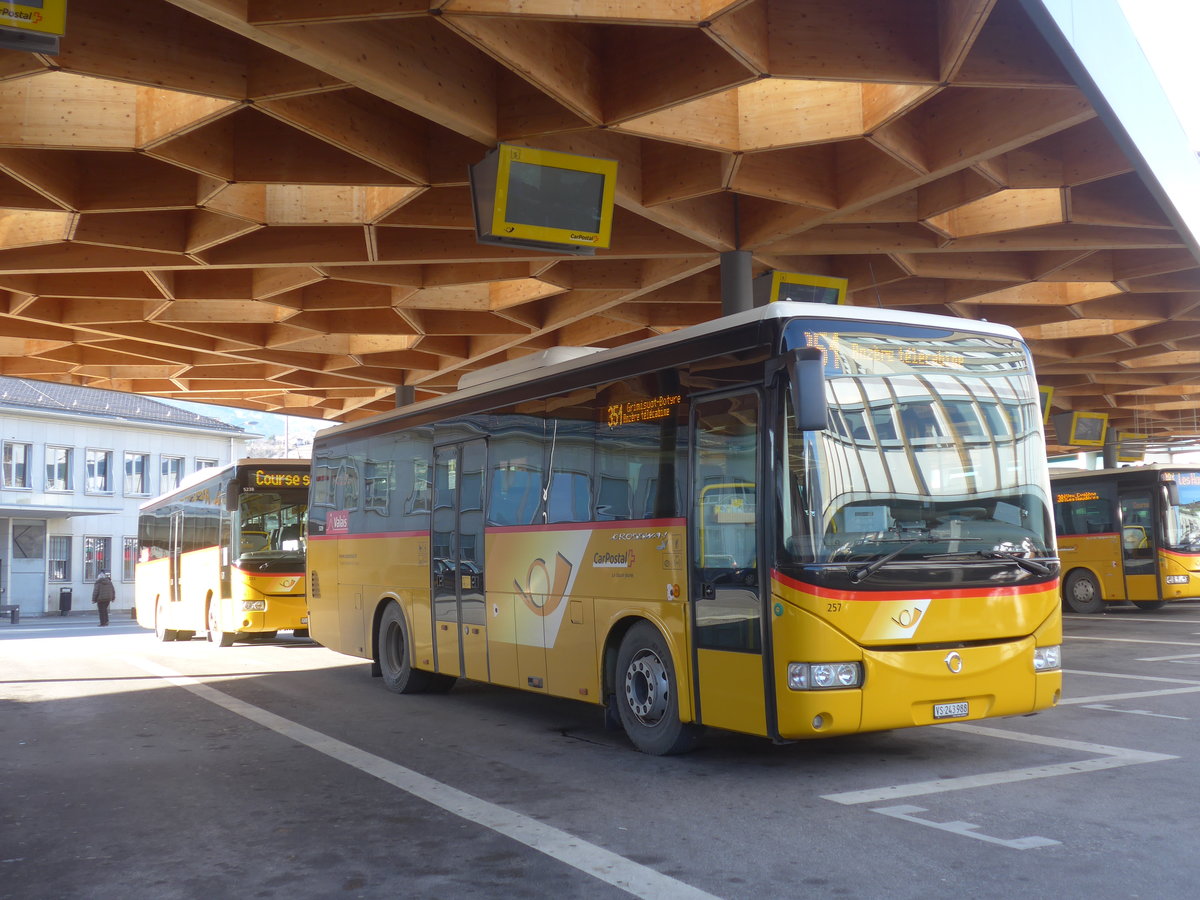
pixel 205 464
pixel 59 461
pixel 172 473
pixel 137 466
pixel 98 478
pixel 129 550
pixel 96 557
pixel 16 464
pixel 59 564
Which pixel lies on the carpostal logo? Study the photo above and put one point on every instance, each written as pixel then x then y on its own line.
pixel 32 18
pixel 543 590
pixel 613 560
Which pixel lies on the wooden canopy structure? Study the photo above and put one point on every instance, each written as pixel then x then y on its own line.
pixel 264 203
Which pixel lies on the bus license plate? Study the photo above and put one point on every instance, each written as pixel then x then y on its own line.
pixel 950 710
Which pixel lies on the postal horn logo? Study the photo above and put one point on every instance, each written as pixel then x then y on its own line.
pixel 543 590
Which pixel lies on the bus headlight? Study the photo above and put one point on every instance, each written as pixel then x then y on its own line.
pixel 824 676
pixel 1047 658
pixel 1177 579
pixel 254 605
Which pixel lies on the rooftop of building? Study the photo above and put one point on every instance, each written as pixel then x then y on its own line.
pixel 23 393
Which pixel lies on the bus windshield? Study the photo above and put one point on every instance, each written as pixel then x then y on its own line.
pixel 1183 512
pixel 934 447
pixel 272 528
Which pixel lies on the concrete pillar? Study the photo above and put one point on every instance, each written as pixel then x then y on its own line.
pixel 737 282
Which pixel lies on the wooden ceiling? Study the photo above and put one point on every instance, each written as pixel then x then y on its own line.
pixel 264 203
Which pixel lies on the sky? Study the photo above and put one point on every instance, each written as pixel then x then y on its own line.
pixel 1169 33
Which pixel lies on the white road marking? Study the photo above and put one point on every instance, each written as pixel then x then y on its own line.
pixel 1108 758
pixel 1132 712
pixel 609 867
pixel 1132 695
pixel 1113 640
pixel 1169 658
pixel 965 829
pixel 1138 619
pixel 1127 676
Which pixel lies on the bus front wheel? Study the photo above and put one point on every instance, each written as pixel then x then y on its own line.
pixel 647 694
pixel 160 632
pixel 1081 591
pixel 215 634
pixel 395 660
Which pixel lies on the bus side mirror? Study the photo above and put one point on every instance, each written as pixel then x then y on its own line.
pixel 1172 493
pixel 806 370
pixel 233 492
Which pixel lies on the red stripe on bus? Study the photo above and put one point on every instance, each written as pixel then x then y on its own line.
pixel 622 525
pixel 369 534
pixel 932 593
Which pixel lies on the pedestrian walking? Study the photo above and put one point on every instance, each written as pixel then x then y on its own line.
pixel 103 594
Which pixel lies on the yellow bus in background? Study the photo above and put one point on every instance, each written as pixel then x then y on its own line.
pixel 798 521
pixel 1128 534
pixel 224 554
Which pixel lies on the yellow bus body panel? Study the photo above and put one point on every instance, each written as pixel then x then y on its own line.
pixel 1174 563
pixel 1100 554
pixel 200 584
pixel 992 632
pixel 556 597
pixel 725 700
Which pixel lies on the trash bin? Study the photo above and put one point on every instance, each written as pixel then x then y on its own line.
pixel 64 601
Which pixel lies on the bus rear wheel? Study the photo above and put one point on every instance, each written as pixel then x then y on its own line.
pixel 647 694
pixel 1149 604
pixel 395 660
pixel 215 635
pixel 1081 592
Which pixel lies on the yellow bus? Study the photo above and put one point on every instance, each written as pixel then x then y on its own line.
pixel 224 554
pixel 797 521
pixel 1128 534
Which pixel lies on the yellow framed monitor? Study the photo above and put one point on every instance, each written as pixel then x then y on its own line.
pixel 1047 394
pixel 795 286
pixel 543 199
pixel 1081 429
pixel 41 16
pixel 1131 447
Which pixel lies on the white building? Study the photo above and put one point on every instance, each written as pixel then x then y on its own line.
pixel 77 464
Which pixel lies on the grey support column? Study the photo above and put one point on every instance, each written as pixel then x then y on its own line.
pixel 737 282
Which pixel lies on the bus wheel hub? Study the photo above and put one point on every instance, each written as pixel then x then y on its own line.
pixel 647 688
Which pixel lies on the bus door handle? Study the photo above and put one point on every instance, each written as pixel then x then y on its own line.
pixel 708 592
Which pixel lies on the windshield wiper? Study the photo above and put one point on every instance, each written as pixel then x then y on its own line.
pixel 864 572
pixel 1029 565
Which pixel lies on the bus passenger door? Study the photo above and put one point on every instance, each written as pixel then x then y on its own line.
pixel 456 561
pixel 727 581
pixel 1138 552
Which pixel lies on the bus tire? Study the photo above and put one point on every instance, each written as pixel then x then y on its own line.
pixel 163 634
pixel 1081 592
pixel 215 635
pixel 395 658
pixel 647 694
pixel 1149 604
